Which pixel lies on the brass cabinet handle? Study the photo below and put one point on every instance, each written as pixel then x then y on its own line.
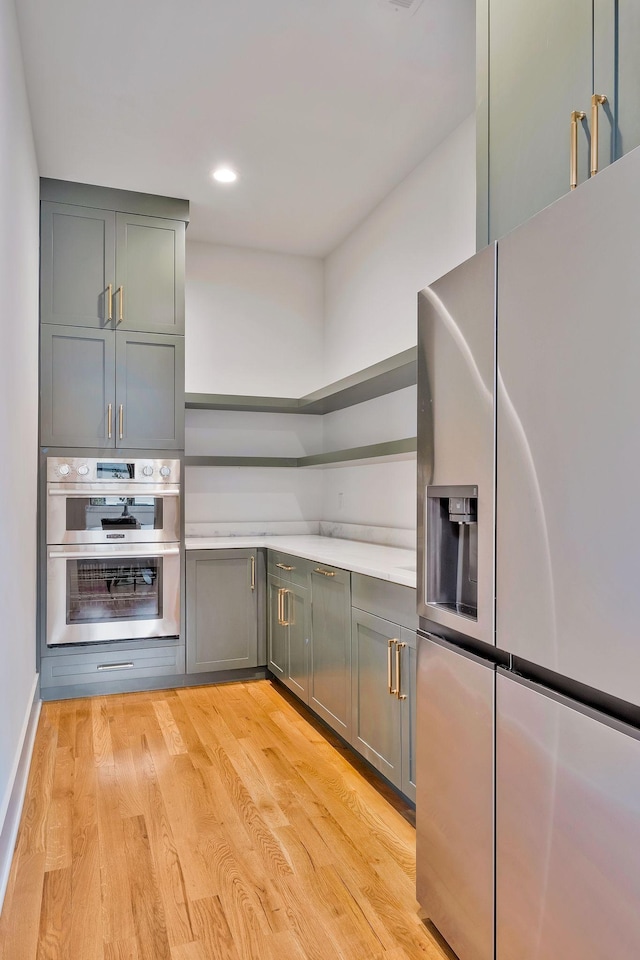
pixel 121 421
pixel 399 694
pixel 286 621
pixel 573 165
pixel 390 687
pixel 120 296
pixel 109 420
pixel 283 566
pixel 325 573
pixel 280 610
pixel 109 302
pixel 596 101
pixel 253 573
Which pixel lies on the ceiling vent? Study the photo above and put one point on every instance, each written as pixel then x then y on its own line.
pixel 402 6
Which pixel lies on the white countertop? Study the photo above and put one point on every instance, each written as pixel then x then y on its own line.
pixel 371 559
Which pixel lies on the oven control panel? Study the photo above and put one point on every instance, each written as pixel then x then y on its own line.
pixel 111 471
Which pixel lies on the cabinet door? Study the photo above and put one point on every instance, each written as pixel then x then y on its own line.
pixel 149 391
pixel 298 618
pixel 150 256
pixel 330 679
pixel 277 653
pixel 616 74
pixel 376 730
pixel 408 688
pixel 77 379
pixel 222 613
pixel 77 261
pixel 540 70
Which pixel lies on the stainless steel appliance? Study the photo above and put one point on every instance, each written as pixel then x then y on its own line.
pixel 563 698
pixel 113 549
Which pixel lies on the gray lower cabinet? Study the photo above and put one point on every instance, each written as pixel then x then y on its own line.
pixel 222 609
pixel 330 667
pixel 111 270
pixel 78 667
pixel 383 703
pixel 289 629
pixel 105 389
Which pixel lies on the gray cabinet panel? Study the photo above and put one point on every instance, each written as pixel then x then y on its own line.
pixel 540 71
pixel 568 829
pixel 409 727
pixel 277 652
pixel 455 806
pixel 131 664
pixel 616 74
pixel 150 391
pixel 298 617
pixel 330 674
pixel 77 263
pixel 391 601
pixel 77 386
pixel 150 269
pixel 376 711
pixel 222 612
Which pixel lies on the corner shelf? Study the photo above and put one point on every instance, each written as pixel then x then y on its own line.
pixel 381 378
pixel 373 451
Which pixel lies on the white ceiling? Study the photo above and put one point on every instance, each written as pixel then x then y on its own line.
pixel 322 106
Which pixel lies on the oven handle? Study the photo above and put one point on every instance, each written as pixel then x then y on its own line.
pixel 97 554
pixel 119 492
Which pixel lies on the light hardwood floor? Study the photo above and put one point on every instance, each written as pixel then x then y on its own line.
pixel 212 823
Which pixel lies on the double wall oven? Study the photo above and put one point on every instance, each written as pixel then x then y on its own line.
pixel 113 549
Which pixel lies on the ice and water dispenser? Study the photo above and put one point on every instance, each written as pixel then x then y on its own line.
pixel 452 549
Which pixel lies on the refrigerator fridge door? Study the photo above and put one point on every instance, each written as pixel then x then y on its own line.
pixel 568 829
pixel 568 450
pixel 456 373
pixel 455 803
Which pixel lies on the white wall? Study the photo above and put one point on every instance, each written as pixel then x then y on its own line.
pixel 19 225
pixel 254 322
pixel 421 230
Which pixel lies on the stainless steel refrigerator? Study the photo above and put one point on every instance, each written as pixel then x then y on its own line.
pixel 528 808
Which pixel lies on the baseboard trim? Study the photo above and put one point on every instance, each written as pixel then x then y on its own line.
pixel 20 775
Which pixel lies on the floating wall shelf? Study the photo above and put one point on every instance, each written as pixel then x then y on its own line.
pixel 384 377
pixel 389 448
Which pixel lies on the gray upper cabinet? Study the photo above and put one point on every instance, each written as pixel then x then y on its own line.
pixel 330 671
pixel 149 391
pixel 222 610
pixel 538 63
pixel 150 255
pixel 77 264
pixel 77 385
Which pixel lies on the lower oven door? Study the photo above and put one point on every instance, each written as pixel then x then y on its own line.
pixel 114 592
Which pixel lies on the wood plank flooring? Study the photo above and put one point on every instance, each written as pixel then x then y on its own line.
pixel 211 823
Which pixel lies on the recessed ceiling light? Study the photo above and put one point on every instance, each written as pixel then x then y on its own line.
pixel 224 175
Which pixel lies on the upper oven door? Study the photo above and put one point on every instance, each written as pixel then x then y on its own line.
pixel 91 513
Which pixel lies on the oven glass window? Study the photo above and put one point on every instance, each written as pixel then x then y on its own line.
pixel 101 591
pixel 114 513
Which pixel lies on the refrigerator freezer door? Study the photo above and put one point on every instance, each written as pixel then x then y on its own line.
pixel 568 830
pixel 568 437
pixel 455 777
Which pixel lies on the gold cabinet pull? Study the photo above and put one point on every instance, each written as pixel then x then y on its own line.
pixel 120 296
pixel 283 566
pixel 325 573
pixel 398 692
pixel 280 610
pixel 109 302
pixel 576 116
pixel 109 420
pixel 121 421
pixel 390 687
pixel 253 573
pixel 596 101
pixel 285 608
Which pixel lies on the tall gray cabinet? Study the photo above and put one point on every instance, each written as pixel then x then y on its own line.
pixel 112 314
pixel 539 65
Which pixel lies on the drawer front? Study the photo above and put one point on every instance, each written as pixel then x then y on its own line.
pixel 92 667
pixel 391 601
pixel 285 567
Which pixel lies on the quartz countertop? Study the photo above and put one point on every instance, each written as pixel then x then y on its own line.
pixel 372 559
